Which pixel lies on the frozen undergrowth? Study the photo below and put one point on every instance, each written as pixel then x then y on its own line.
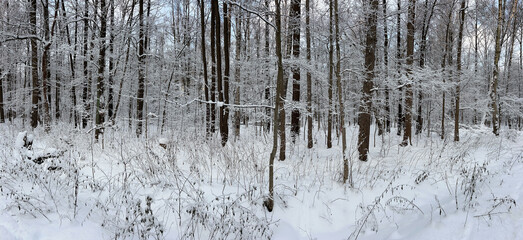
pixel 129 188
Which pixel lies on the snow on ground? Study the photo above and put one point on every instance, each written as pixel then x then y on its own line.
pixel 189 188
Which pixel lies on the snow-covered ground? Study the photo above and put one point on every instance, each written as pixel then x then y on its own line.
pixel 129 188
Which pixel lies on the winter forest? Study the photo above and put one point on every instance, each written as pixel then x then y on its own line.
pixel 261 119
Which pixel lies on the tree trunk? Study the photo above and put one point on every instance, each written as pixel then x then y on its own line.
pixel 141 70
pixel 46 64
pixel 2 114
pixel 72 60
pixel 331 69
pixel 510 56
pixel 34 65
pixel 266 69
pixel 295 29
pixel 423 54
pixel 237 74
pixel 494 82
pixel 407 133
pixel 269 203
pixel 446 55
pixel 86 94
pixel 206 80
pixel 224 122
pixel 398 59
pixel 213 68
pixel 364 119
pixel 111 70
pixel 46 72
pixel 100 88
pixel 340 95
pixel 458 68
pixel 309 75
pixel 216 11
pixel 386 63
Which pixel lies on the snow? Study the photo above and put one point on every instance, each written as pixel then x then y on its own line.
pixel 196 189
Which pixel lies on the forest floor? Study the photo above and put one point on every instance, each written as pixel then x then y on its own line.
pixel 129 188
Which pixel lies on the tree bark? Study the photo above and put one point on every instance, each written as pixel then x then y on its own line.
pixel 86 94
pixel 309 75
pixel 331 70
pixel 34 65
pixel 237 74
pixel 340 95
pixel 267 72
pixel 407 133
pixel 224 122
pixel 72 60
pixel 386 65
pixel 494 82
pixel 269 203
pixel 295 29
pixel 213 68
pixel 111 68
pixel 458 68
pixel 141 70
pixel 100 88
pixel 365 107
pixel 398 59
pixel 205 78
pixel 2 114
